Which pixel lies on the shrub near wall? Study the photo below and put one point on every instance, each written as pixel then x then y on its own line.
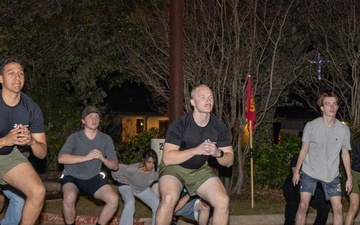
pixel 272 161
pixel 132 151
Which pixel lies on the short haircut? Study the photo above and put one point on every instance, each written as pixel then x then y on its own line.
pixel 195 88
pixel 6 61
pixel 320 100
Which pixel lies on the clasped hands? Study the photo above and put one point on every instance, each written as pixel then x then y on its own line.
pixel 209 148
pixel 95 154
pixel 19 136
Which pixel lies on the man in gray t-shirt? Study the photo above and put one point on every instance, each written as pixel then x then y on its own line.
pixel 323 140
pixel 83 154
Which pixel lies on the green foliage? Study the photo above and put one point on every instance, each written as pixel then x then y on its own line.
pixel 59 127
pixel 70 56
pixel 272 161
pixel 132 151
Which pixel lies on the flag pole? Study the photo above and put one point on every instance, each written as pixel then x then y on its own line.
pixel 251 117
pixel 251 165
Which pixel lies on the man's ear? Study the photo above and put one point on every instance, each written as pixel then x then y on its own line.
pixel 1 79
pixel 192 102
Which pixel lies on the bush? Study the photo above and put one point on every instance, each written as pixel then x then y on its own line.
pixel 132 151
pixel 272 161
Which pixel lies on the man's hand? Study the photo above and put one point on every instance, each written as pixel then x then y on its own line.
pixel 209 148
pixel 296 178
pixel 26 137
pixel 18 136
pixel 95 154
pixel 348 185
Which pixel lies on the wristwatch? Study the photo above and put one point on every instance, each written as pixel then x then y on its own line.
pixel 221 154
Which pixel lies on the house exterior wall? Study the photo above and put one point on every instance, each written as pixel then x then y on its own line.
pixel 130 124
pixel 293 125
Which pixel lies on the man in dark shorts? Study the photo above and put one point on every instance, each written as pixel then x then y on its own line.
pixel 83 155
pixel 190 141
pixel 21 126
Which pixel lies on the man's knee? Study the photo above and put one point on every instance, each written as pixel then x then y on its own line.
pixel 303 207
pixel 37 192
pixel 224 202
pixel 354 207
pixel 337 208
pixel 69 198
pixel 108 195
pixel 169 200
pixel 113 200
pixel 221 201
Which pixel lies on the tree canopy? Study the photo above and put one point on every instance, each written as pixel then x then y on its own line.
pixel 75 51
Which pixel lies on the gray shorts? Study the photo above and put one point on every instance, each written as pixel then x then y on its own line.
pixel 331 189
pixel 190 210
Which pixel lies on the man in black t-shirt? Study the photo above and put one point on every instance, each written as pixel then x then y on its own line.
pixel 190 141
pixel 21 124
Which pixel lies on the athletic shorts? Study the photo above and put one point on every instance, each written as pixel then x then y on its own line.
pixel 331 189
pixel 89 186
pixel 9 161
pixel 355 182
pixel 190 210
pixel 192 179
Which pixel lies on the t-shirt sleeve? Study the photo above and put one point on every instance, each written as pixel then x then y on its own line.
pixel 306 133
pixel 110 152
pixel 225 136
pixel 175 132
pixel 37 120
pixel 346 141
pixel 69 145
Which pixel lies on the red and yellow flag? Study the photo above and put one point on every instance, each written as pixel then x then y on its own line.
pixel 250 104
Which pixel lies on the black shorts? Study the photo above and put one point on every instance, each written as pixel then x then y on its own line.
pixel 89 186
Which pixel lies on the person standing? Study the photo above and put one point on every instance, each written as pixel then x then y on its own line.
pixel 355 192
pixel 292 198
pixel 323 140
pixel 83 154
pixel 21 124
pixel 190 141
pixel 135 180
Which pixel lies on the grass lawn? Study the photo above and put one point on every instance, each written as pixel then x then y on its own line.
pixel 88 206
